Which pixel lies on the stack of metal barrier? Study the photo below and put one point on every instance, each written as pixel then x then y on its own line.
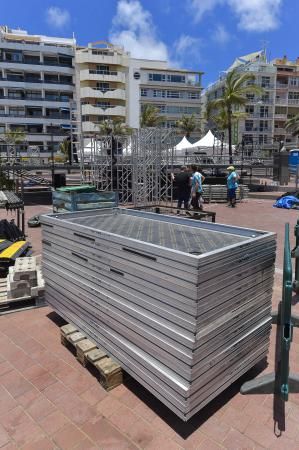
pixel 183 307
pixel 218 192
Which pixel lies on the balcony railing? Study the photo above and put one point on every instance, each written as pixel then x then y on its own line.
pixel 102 72
pixel 36 116
pixel 40 99
pixel 38 63
pixel 34 80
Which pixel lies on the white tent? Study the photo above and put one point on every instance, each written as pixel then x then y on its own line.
pixel 210 144
pixel 183 144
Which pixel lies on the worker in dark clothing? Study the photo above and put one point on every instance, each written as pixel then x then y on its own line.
pixel 183 185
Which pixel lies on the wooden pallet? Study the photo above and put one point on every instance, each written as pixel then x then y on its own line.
pixel 110 372
pixel 16 304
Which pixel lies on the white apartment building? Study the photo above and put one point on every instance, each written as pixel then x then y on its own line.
pixel 37 86
pixel 114 85
pixel 258 126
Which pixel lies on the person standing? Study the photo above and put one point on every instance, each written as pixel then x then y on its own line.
pixel 196 188
pixel 182 184
pixel 232 184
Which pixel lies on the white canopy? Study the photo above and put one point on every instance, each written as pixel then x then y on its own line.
pixel 183 144
pixel 209 140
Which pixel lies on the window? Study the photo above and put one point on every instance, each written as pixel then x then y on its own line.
pixel 144 92
pixel 156 77
pixel 103 105
pixel 103 86
pixel 33 95
pixel 266 98
pixel 85 118
pixel 103 68
pixel 250 97
pixel 174 94
pixel 15 94
pixel 294 81
pixel 193 95
pixel 176 78
pixel 265 82
pixel 16 112
pixel 263 125
pixel 159 93
pixel 264 111
pixel 293 95
pixel 249 109
pixel 2 129
pixel 248 125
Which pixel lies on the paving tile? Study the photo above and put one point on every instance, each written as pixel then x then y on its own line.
pixel 215 429
pixel 40 408
pixel 40 444
pixel 79 382
pixel 209 444
pixel 20 427
pixel 5 367
pixel 129 399
pixel 141 433
pixel 104 434
pixel 15 383
pixel 123 419
pixel 162 442
pixel 261 434
pixel 26 399
pixel 56 391
pixel 75 408
pixel 163 426
pixel 235 419
pixel 144 411
pixel 68 436
pixel 87 444
pixel 53 422
pixel 191 442
pixel 108 406
pixel 4 437
pixel 43 381
pixel 94 395
pixel 10 446
pixel 21 361
pixel 236 441
pixel 7 403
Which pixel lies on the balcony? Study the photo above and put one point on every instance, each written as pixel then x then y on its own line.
pixel 281 101
pixel 279 130
pixel 280 116
pixel 281 85
pixel 27 99
pixel 87 92
pixel 98 111
pixel 293 102
pixel 89 127
pixel 12 81
pixel 102 75
pixel 88 57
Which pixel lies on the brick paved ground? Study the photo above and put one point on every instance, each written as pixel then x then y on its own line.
pixel 49 401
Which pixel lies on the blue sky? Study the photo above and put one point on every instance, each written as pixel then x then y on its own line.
pixel 203 35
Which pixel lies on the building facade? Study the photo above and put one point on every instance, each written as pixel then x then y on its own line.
pixel 37 87
pixel 266 114
pixel 287 96
pixel 258 125
pixel 114 85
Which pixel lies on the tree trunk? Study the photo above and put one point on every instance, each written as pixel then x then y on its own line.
pixel 229 123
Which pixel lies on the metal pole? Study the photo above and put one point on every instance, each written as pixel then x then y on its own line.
pixel 52 155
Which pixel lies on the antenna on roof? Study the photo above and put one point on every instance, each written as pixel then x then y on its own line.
pixel 264 45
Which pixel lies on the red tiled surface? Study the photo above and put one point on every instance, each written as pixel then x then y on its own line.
pixel 49 401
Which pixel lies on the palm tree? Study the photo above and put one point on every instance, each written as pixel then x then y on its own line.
pixel 65 148
pixel 12 138
pixel 187 125
pixel 150 117
pixel 292 125
pixel 114 127
pixel 235 90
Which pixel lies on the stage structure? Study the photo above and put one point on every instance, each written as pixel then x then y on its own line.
pixel 137 166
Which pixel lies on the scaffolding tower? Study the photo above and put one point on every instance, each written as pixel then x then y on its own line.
pixel 137 166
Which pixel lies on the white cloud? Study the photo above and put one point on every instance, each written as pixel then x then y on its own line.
pixel 220 35
pixel 57 17
pixel 253 15
pixel 133 28
pixel 200 7
pixel 186 47
pixel 257 15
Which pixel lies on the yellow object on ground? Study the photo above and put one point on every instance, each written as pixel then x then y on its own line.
pixel 14 250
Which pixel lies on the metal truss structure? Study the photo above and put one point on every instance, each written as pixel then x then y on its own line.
pixel 137 166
